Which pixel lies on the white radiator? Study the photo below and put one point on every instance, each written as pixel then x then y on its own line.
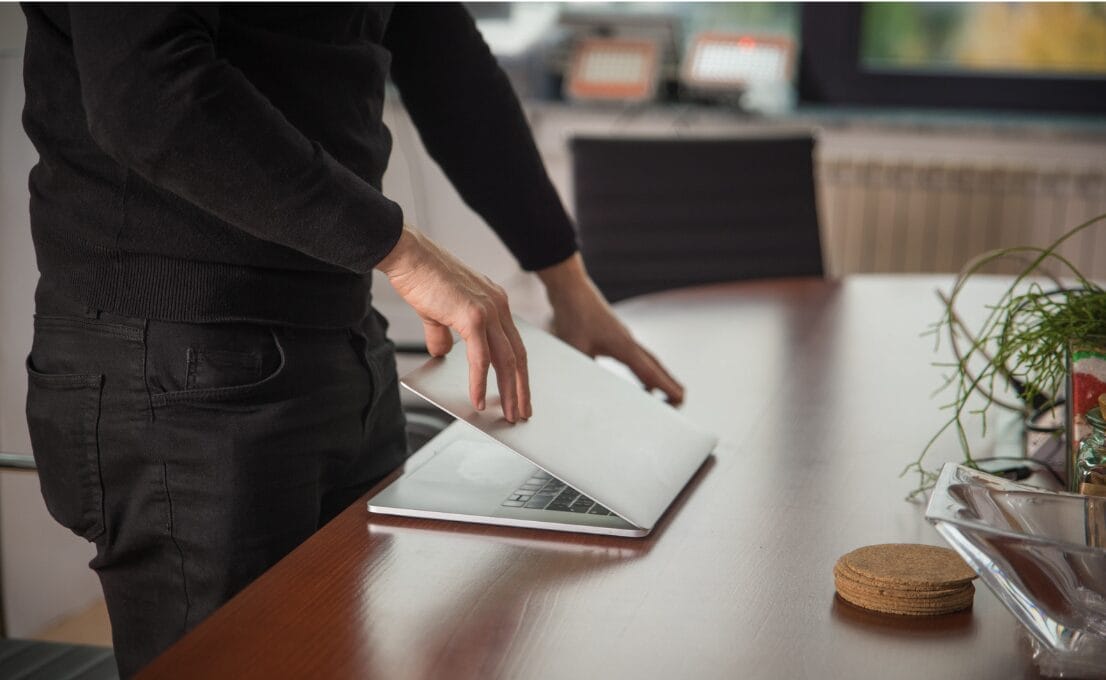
pixel 882 214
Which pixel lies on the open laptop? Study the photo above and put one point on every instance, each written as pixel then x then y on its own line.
pixel 600 455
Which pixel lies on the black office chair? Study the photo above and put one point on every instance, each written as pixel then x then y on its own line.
pixel 37 660
pixel 656 214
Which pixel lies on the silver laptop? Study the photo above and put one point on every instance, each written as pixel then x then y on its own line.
pixel 599 456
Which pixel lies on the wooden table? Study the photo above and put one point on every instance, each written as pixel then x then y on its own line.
pixel 821 392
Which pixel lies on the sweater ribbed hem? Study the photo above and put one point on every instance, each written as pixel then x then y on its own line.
pixel 170 289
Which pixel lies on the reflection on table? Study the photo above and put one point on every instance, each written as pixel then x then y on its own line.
pixel 821 393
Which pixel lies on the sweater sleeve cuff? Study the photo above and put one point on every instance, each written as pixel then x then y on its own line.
pixel 374 224
pixel 554 243
pixel 393 230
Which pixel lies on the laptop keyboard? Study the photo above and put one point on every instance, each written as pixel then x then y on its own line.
pixel 544 492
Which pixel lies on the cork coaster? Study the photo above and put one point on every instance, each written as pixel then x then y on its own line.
pixel 911 580
pixel 958 600
pixel 905 566
pixel 920 589
pixel 886 608
pixel 842 575
pixel 893 607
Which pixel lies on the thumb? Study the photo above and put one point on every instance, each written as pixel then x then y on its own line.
pixel 438 338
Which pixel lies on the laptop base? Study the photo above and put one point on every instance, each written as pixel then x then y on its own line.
pixel 464 475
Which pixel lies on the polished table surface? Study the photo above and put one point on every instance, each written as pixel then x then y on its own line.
pixel 821 393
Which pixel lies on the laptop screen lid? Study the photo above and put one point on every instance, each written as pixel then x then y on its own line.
pixel 592 429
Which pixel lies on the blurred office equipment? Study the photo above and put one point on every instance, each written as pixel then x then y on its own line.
pixel 655 214
pixel 753 72
pixel 733 60
pixel 610 69
pixel 614 56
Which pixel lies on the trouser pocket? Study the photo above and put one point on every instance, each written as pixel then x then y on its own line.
pixel 212 363
pixel 63 413
pixel 381 361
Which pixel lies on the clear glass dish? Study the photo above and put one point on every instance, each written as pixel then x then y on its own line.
pixel 1042 553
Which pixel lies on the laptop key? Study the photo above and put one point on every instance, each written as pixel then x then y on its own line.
pixel 512 504
pixel 539 502
pixel 559 504
pixel 598 510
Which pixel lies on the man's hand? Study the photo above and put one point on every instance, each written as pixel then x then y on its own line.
pixel 583 319
pixel 447 294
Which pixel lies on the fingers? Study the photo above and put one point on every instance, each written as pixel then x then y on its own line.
pixel 438 338
pixel 449 295
pixel 522 371
pixel 479 358
pixel 652 374
pixel 487 344
pixel 506 369
pixel 672 389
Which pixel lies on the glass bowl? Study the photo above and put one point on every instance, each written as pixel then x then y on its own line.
pixel 1042 553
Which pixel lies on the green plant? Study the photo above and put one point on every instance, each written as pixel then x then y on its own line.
pixel 1020 344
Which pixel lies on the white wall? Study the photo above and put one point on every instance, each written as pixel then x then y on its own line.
pixel 12 28
pixel 45 567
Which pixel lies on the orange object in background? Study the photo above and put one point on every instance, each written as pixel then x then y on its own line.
pixel 613 70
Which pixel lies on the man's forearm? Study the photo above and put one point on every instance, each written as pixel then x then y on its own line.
pixel 566 280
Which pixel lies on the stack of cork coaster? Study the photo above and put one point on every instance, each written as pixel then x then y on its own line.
pixel 901 578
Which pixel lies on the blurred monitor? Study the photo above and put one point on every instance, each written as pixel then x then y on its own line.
pixel 1023 39
pixel 612 69
pixel 1043 57
pixel 732 61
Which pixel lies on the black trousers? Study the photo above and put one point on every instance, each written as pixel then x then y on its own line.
pixel 195 456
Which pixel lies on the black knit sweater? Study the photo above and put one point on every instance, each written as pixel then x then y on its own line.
pixel 201 162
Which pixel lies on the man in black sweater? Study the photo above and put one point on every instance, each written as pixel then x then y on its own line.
pixel 208 383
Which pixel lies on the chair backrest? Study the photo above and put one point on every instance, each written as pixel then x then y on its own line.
pixel 656 214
